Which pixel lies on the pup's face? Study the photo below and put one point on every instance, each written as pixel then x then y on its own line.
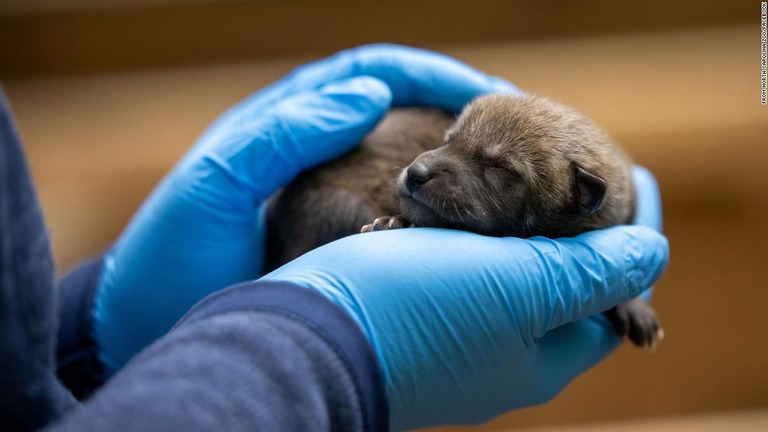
pixel 503 170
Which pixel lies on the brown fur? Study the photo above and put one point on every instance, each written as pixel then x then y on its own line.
pixel 508 167
pixel 541 140
pixel 336 199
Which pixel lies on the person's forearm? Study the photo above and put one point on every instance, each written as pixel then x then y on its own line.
pixel 254 357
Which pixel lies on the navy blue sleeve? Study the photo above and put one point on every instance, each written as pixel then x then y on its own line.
pixel 78 365
pixel 30 395
pixel 256 356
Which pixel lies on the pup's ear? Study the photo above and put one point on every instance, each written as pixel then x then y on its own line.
pixel 588 190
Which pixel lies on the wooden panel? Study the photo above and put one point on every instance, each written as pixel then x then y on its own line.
pixel 745 421
pixel 18 7
pixel 103 39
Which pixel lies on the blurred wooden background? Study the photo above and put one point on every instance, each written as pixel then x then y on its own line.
pixel 108 95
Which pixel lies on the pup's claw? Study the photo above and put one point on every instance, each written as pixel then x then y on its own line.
pixel 636 321
pixel 386 223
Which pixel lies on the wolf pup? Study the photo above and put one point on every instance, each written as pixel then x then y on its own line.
pixel 517 166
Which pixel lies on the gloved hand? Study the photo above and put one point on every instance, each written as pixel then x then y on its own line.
pixel 199 231
pixel 467 327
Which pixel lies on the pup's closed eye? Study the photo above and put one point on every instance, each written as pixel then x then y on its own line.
pixel 499 169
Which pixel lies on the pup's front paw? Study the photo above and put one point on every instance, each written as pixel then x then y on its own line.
pixel 637 321
pixel 386 223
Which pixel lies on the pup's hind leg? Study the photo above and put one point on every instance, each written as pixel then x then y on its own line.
pixel 636 320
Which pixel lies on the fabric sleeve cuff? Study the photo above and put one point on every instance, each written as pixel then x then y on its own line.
pixel 324 318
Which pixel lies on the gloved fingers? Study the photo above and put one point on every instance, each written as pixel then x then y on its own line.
pixel 416 77
pixel 567 351
pixel 539 283
pixel 648 205
pixel 297 133
pixel 648 210
pixel 591 273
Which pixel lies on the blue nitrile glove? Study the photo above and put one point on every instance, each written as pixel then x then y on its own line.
pixel 467 327
pixel 648 211
pixel 199 231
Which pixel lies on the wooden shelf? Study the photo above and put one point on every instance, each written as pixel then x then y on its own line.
pixel 138 35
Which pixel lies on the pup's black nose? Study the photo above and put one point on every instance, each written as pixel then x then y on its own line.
pixel 416 175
